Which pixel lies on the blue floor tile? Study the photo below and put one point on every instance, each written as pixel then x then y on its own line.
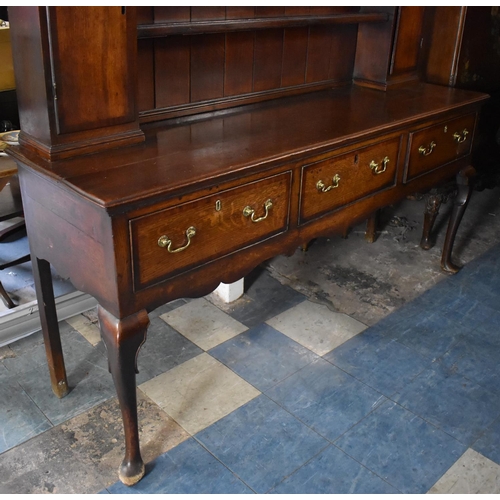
pixel 333 472
pixel 487 329
pixel 485 268
pixel 489 443
pixel 400 447
pixel 378 361
pixel 478 279
pixel 431 335
pixel 467 310
pixel 261 443
pixel 477 358
pixel 263 356
pixel 186 469
pixel 325 398
pixel 451 402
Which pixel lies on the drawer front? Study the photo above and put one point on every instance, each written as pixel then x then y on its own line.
pixel 188 235
pixel 434 146
pixel 332 183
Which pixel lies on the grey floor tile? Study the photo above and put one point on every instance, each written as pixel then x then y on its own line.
pixel 261 443
pixel 170 306
pixel 86 367
pixel 325 398
pixel 452 403
pixel 263 356
pixel 83 454
pixel 333 472
pixel 90 385
pixel 20 418
pixel 163 350
pixel 187 469
pixel 401 448
pixel 264 298
pixel 30 351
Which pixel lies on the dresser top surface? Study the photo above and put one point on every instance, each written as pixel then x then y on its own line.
pixel 176 156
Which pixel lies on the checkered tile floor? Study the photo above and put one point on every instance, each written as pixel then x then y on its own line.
pixel 273 394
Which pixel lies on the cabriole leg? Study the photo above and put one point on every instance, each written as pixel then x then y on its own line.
pixel 431 212
pixel 50 326
pixel 464 187
pixel 123 339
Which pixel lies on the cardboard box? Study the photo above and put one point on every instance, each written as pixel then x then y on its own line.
pixel 7 81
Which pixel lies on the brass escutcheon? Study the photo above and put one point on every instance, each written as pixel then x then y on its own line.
pixel 165 242
pixel 426 151
pixel 461 136
pixel 379 169
pixel 250 212
pixel 320 185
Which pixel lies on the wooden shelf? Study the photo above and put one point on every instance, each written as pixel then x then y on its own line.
pixel 199 27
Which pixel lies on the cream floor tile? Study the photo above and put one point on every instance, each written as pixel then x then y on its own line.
pixel 316 327
pixel 203 323
pixel 87 328
pixel 199 392
pixel 471 473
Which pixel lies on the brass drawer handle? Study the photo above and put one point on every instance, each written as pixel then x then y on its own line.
pixel 376 168
pixel 320 185
pixel 461 137
pixel 426 151
pixel 165 242
pixel 250 212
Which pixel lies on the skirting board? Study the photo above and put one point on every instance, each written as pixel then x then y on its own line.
pixel 24 319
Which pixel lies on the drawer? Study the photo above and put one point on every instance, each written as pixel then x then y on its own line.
pixel 332 183
pixel 172 240
pixel 434 146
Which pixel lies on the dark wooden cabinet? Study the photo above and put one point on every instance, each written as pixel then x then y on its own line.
pixel 57 50
pixel 389 53
pixel 462 50
pixel 260 129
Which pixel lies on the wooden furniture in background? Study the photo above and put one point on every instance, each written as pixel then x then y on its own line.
pixel 10 207
pixel 261 129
